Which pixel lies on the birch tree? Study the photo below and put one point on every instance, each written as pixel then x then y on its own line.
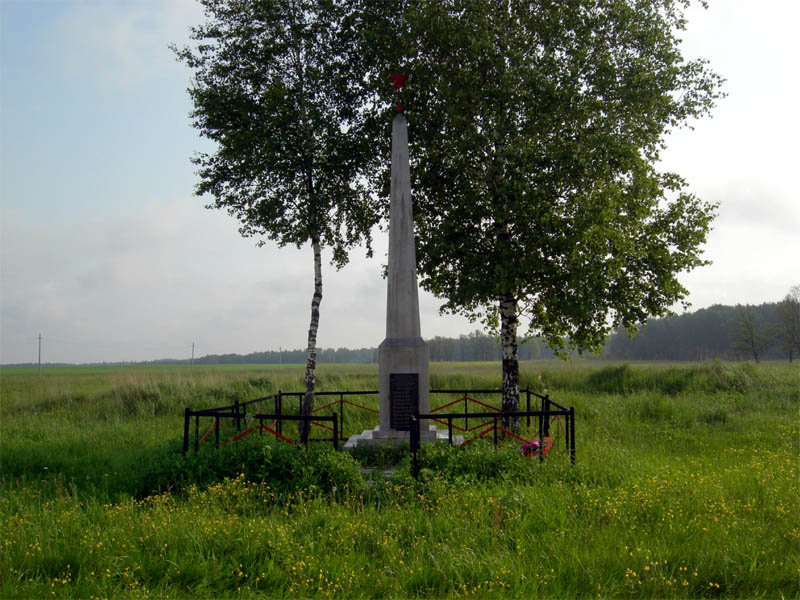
pixel 276 87
pixel 535 134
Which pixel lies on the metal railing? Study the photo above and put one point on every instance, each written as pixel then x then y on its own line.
pixel 544 417
pixel 238 415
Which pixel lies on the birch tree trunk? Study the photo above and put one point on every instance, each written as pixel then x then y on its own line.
pixel 311 360
pixel 508 340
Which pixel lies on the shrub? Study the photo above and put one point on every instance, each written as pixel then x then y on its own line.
pixel 479 461
pixel 381 456
pixel 284 468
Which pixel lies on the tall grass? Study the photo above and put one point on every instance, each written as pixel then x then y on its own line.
pixel 686 486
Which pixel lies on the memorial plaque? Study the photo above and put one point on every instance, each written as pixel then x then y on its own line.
pixel 403 399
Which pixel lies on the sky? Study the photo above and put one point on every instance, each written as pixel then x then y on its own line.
pixel 106 252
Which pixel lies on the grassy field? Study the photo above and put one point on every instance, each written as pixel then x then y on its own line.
pixel 686 485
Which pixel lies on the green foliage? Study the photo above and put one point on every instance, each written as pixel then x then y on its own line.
pixel 272 91
pixel 479 462
pixel 282 467
pixel 381 456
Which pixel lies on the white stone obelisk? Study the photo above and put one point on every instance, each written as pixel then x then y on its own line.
pixel 403 382
pixel 403 356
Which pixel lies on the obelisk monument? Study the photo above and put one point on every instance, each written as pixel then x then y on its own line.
pixel 403 356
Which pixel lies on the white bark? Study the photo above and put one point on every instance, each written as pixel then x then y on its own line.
pixel 508 340
pixel 311 360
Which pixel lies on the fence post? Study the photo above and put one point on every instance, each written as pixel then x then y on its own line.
pixel 236 415
pixel 414 444
pixel 466 411
pixel 279 411
pixel 450 430
pixel 216 433
pixel 528 403
pixel 196 433
pixel 546 404
pixel 187 417
pixel 541 440
pixel 335 432
pixel 341 414
pixel 572 434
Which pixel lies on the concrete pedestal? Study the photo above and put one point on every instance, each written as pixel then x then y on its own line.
pixel 374 437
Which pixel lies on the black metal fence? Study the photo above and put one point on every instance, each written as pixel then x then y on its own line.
pixel 241 413
pixel 543 416
pixel 341 402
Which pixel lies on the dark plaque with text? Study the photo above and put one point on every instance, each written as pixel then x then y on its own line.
pixel 403 399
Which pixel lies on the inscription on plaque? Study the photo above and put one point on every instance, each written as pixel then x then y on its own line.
pixel 403 399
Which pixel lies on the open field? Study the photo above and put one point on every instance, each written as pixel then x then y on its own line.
pixel 686 485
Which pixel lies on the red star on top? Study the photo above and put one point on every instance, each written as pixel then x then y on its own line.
pixel 398 80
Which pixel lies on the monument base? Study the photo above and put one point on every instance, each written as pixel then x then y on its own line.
pixel 378 436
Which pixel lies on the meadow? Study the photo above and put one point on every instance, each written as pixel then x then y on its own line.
pixel 686 486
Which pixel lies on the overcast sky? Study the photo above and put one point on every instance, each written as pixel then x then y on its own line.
pixel 105 251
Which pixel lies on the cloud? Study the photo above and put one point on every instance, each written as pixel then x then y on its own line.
pixel 753 204
pixel 144 279
pixel 753 248
pixel 121 45
pixel 152 280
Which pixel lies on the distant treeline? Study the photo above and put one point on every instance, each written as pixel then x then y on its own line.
pixel 476 346
pixel 723 332
pixel 768 331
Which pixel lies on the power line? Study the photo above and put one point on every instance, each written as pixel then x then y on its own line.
pixel 6 344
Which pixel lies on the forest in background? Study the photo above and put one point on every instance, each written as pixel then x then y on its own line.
pixel 770 331
pixel 765 332
pixel 723 332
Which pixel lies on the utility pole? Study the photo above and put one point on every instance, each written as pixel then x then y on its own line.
pixel 280 355
pixel 40 354
pixel 192 355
